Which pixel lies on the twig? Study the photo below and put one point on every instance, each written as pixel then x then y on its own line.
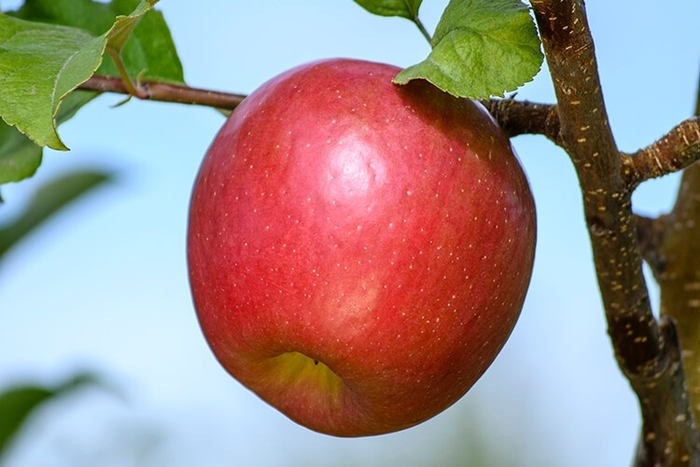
pixel 675 151
pixel 165 92
pixel 522 117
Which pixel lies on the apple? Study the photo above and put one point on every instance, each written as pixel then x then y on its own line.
pixel 359 251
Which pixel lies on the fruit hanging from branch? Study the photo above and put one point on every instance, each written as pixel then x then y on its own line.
pixel 359 251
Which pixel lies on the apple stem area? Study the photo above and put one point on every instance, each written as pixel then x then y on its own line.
pixel 652 353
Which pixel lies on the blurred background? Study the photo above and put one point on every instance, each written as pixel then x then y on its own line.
pixel 102 287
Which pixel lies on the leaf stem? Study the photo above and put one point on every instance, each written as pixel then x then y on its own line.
pixel 132 89
pixel 422 30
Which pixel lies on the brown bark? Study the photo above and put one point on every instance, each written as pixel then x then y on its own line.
pixel 647 351
pixel 165 92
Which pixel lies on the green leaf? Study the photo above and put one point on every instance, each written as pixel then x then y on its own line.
pixel 47 201
pixel 19 156
pixel 39 65
pixel 481 48
pixel 16 404
pixel 124 25
pixel 403 8
pixel 42 62
pixel 150 46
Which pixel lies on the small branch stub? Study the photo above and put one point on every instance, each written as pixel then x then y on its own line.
pixel 675 151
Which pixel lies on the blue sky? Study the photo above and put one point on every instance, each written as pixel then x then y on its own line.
pixel 104 287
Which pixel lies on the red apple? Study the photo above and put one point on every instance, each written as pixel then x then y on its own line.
pixel 358 251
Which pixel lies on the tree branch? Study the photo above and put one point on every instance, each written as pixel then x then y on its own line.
pixel 671 247
pixel 675 151
pixel 522 117
pixel 647 353
pixel 165 92
pixel 679 280
pixel 650 233
pixel 587 138
pixel 669 437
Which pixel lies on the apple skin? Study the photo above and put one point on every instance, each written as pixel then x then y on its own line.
pixel 358 251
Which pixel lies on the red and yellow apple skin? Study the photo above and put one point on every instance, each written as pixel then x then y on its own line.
pixel 358 251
